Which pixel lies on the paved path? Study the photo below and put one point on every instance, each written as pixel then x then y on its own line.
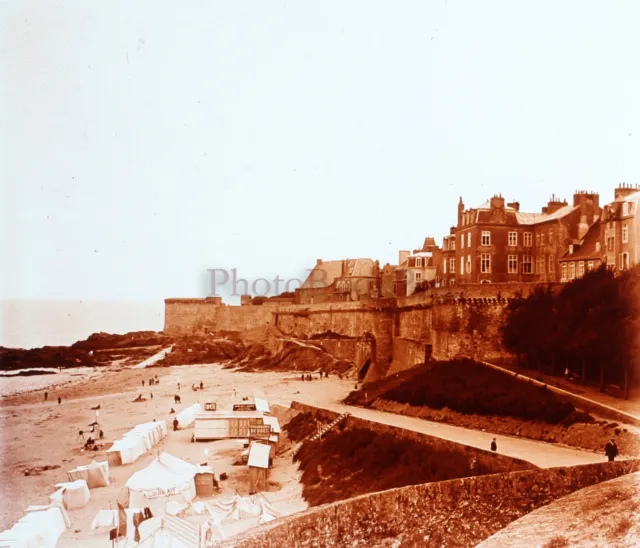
pixel 153 359
pixel 544 455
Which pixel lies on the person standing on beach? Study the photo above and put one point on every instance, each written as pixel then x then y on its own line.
pixel 46 396
pixel 611 450
pixel 59 400
pixel 143 383
pixel 151 395
pixel 494 445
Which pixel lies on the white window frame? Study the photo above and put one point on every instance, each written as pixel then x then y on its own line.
pixel 551 235
pixel 625 234
pixel 564 272
pixel 590 266
pixel 542 238
pixel 462 265
pixel 468 239
pixel 580 269
pixel 418 261
pixel 512 264
pixel 418 276
pixel 550 264
pixel 527 264
pixel 452 265
pixel 572 270
pixel 527 238
pixel 444 266
pixel 468 264
pixel 485 240
pixel 485 263
pixel 513 239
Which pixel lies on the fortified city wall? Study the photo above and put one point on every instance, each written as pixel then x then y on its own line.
pixel 395 334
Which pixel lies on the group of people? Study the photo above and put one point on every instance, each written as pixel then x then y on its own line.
pixel 610 449
pixel 194 386
pixel 152 381
pixel 46 397
pixel 309 376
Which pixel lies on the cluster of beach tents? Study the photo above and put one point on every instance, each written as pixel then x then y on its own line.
pixel 138 441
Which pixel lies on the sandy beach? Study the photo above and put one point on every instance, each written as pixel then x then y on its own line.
pixel 38 433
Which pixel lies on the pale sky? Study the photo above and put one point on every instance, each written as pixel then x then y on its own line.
pixel 145 142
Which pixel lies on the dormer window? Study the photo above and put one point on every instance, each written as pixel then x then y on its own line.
pixel 418 261
pixel 571 249
pixel 597 247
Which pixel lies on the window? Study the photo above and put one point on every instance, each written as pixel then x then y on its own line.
pixel 537 239
pixel 485 263
pixel 468 264
pixel 453 243
pixel 512 264
pixel 580 269
pixel 444 267
pixel 625 234
pixel 418 276
pixel 590 266
pixel 611 242
pixel 468 239
pixel 597 247
pixel 486 238
pixel 551 235
pixel 542 238
pixel 513 239
pixel 624 261
pixel 418 261
pixel 452 281
pixel 571 249
pixel 527 264
pixel 540 265
pixel 452 265
pixel 564 272
pixel 528 239
pixel 572 271
pixel 461 265
pixel 550 265
pixel 461 241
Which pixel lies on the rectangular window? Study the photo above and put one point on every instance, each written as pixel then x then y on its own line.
pixel 444 266
pixel 580 269
pixel 611 242
pixel 468 239
pixel 468 264
pixel 528 239
pixel 461 241
pixel 461 265
pixel 452 265
pixel 539 265
pixel 564 272
pixel 550 265
pixel 537 239
pixel 590 266
pixel 452 281
pixel 542 238
pixel 418 261
pixel 527 264
pixel 572 271
pixel 625 234
pixel 418 276
pixel 485 263
pixel 512 264
pixel 513 239
pixel 453 244
pixel 486 238
pixel 551 235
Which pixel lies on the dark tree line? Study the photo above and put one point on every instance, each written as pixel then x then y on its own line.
pixel 591 326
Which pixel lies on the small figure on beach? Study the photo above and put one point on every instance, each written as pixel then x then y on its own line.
pixel 59 400
pixel 302 377
pixel 178 385
pixel 201 385
pixel 494 445
pixel 176 424
pixel 101 434
pixel 80 436
pixel 172 412
pixel 151 395
pixel 142 383
pixel 611 450
pixel 176 399
pixel 46 396
pixel 96 408
pixel 139 398
pixel 156 380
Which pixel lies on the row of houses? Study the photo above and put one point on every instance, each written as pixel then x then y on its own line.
pixel 496 242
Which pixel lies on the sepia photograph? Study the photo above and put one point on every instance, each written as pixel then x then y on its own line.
pixel 319 274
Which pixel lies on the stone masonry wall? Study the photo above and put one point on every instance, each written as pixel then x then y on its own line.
pixel 455 513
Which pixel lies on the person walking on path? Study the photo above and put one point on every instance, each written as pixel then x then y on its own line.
pixel 611 450
pixel 494 445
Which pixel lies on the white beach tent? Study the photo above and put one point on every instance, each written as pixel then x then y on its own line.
pixel 95 474
pixel 37 529
pixel 262 405
pixel 138 441
pixel 166 479
pixel 74 494
pixel 273 423
pixel 187 416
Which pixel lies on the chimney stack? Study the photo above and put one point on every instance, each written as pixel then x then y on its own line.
pixel 515 205
pixel 625 189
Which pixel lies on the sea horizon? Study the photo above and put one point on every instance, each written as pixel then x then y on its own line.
pixel 33 323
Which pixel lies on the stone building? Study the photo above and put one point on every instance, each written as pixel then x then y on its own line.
pixel 620 229
pixel 418 269
pixel 583 256
pixel 340 281
pixel 497 243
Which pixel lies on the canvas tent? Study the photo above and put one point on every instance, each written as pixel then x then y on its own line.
pixel 187 416
pixel 262 405
pixel 74 494
pixel 95 474
pixel 166 479
pixel 37 529
pixel 138 441
pixel 273 423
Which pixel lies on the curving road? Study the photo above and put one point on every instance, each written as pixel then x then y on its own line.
pixel 544 455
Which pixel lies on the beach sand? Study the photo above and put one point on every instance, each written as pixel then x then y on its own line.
pixel 38 433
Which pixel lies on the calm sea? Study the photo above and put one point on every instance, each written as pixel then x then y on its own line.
pixel 30 323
